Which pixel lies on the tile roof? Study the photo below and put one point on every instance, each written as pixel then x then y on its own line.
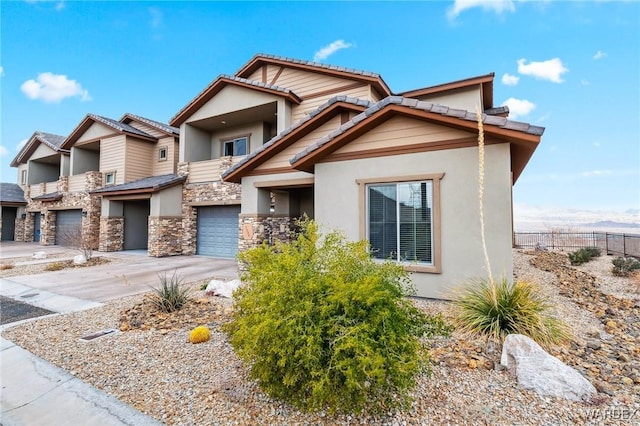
pixel 122 127
pixel 49 139
pixel 423 106
pixel 296 125
pixel 497 110
pixel 158 125
pixel 54 141
pixel 315 64
pixel 152 184
pixel 48 197
pixel 11 193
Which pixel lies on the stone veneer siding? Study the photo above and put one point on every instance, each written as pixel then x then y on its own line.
pixel 267 229
pixel 195 195
pixel 20 232
pixel 111 233
pixel 165 236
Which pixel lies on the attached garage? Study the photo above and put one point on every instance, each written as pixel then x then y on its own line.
pixel 217 234
pixel 68 226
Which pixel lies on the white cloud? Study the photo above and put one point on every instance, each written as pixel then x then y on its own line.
pixel 156 17
pixel 519 107
pixel 330 49
pixel 551 69
pixel 3 151
pixel 498 6
pixel 53 88
pixel 585 82
pixel 599 55
pixel 510 80
pixel 1 71
pixel 59 5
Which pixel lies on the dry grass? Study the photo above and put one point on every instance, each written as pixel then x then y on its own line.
pixel 5 266
pixel 55 266
pixel 635 281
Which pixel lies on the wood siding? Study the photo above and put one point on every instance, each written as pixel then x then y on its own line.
pixel 139 159
pixel 402 131
pixel 207 171
pixel 112 157
pixel 282 158
pixel 95 131
pixel 298 112
pixel 147 129
pixel 77 183
pixel 170 164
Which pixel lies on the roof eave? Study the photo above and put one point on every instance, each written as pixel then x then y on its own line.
pixel 467 82
pixel 147 190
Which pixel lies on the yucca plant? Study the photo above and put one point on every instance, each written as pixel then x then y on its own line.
pixel 171 295
pixel 496 308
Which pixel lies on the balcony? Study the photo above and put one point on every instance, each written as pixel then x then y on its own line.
pixel 42 188
pixel 210 170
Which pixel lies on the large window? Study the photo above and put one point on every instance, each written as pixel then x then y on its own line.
pixel 235 147
pixel 400 221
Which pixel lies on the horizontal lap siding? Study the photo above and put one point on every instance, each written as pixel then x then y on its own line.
pixel 305 83
pixel 282 158
pixel 112 154
pixel 300 111
pixel 140 157
pixel 402 131
pixel 169 165
pixel 147 129
pixel 257 75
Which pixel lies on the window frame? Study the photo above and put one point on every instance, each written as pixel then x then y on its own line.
pixel 436 266
pixel 23 177
pixel 166 153
pixel 106 178
pixel 233 139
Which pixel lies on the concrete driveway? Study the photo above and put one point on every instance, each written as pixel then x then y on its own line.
pixel 134 275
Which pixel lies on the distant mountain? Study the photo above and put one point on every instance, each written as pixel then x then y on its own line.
pixel 611 224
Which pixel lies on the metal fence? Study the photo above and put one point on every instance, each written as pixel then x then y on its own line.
pixel 609 243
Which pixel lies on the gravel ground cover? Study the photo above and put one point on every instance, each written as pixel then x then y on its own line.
pixel 151 366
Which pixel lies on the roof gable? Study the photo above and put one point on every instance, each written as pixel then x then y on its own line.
pixel 220 83
pixel 484 81
pixel 127 118
pixel 524 136
pixel 367 77
pixel 116 126
pixel 49 140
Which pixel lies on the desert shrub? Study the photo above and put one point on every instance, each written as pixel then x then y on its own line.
pixel 583 255
pixel 322 325
pixel 55 266
pixel 199 334
pixel 5 266
pixel 171 295
pixel 624 266
pixel 498 308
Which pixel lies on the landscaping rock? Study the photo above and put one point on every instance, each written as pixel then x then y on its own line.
pixel 538 371
pixel 79 259
pixel 39 255
pixel 222 288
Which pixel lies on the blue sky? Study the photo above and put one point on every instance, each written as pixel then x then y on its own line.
pixel 572 67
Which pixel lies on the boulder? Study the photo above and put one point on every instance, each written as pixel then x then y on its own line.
pixel 536 370
pixel 79 259
pixel 222 288
pixel 39 255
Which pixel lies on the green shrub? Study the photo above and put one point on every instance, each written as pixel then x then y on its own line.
pixel 496 309
pixel 624 266
pixel 592 251
pixel 583 255
pixel 322 325
pixel 171 295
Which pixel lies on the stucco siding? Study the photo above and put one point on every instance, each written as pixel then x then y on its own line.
pixel 42 151
pixel 230 99
pixel 402 131
pixel 337 206
pixel 257 201
pixel 282 158
pixel 95 131
pixel 139 159
pixel 112 156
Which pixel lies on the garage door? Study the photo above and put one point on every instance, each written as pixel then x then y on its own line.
pixel 218 231
pixel 68 227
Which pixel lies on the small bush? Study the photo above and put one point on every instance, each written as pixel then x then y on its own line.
pixel 55 266
pixel 322 325
pixel 199 335
pixel 592 251
pixel 496 309
pixel 171 295
pixel 583 255
pixel 624 266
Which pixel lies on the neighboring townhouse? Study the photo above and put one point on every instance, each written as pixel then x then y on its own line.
pixel 41 162
pixel 284 137
pixel 116 182
pixel 12 204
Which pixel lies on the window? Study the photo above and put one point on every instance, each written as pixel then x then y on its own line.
pixel 162 154
pixel 23 177
pixel 234 147
pixel 110 178
pixel 400 219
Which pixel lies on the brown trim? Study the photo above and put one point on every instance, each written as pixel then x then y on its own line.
pixel 458 84
pixel 436 268
pixel 12 204
pixel 63 208
pixel 86 123
pixel 271 171
pixel 214 203
pixel 214 88
pixel 344 117
pixel 332 91
pixel 89 141
pixel 277 76
pixel 300 182
pixel 145 196
pixel 264 74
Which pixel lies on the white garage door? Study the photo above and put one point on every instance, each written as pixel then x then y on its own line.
pixel 218 231
pixel 68 227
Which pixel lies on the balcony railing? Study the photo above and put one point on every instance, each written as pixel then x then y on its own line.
pixel 42 188
pixel 77 183
pixel 210 170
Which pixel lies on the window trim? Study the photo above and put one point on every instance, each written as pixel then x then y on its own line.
pixel 166 153
pixel 225 140
pixel 436 267
pixel 105 178
pixel 23 177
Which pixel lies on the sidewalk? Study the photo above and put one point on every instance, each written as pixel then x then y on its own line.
pixel 35 392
